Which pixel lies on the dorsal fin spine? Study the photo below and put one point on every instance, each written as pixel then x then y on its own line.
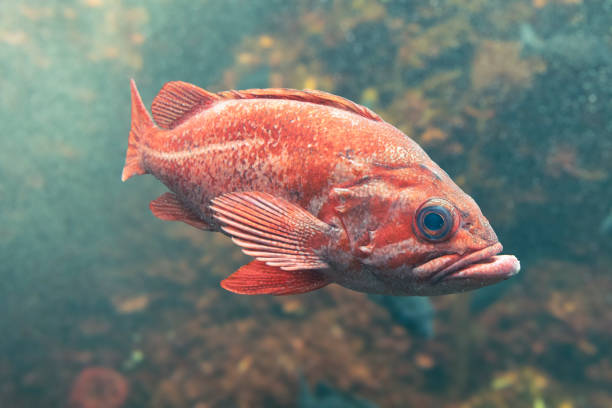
pixel 178 101
pixel 306 95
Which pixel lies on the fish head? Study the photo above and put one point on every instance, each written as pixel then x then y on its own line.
pixel 426 236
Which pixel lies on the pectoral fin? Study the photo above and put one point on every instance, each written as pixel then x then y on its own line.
pixel 273 230
pixel 257 278
pixel 169 208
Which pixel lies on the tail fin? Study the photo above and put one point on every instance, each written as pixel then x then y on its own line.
pixel 141 123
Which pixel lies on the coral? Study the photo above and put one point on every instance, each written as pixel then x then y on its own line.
pixel 98 387
pixel 525 387
pixel 499 64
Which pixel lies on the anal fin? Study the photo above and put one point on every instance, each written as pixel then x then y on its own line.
pixel 257 278
pixel 168 207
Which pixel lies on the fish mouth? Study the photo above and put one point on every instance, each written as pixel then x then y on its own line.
pixel 485 264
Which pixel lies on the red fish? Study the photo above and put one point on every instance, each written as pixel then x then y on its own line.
pixel 316 188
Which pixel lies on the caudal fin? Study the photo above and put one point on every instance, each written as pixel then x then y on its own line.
pixel 141 123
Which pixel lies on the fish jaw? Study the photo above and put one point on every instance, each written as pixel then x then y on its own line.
pixel 456 273
pixel 493 269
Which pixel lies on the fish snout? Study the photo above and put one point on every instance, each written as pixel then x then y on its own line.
pixel 481 231
pixel 475 269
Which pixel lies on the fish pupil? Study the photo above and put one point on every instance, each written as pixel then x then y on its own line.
pixel 433 221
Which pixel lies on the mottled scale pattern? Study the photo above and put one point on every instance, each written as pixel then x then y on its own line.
pixel 287 148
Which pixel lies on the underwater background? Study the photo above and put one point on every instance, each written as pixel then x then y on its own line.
pixel 100 301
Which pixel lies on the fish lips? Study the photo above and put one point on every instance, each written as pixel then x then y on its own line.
pixel 485 266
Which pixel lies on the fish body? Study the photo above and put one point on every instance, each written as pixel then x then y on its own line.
pixel 577 49
pixel 317 188
pixel 414 313
pixel 606 225
pixel 326 396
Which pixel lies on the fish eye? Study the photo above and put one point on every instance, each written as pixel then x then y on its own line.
pixel 435 220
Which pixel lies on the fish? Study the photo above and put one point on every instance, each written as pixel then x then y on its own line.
pixel 316 188
pixel 326 396
pixel 605 228
pixel 573 48
pixel 415 313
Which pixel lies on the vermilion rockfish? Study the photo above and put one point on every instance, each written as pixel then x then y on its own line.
pixel 316 188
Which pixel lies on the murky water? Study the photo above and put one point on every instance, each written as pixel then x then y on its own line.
pixel 102 300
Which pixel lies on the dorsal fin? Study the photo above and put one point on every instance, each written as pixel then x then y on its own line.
pixel 177 101
pixel 307 95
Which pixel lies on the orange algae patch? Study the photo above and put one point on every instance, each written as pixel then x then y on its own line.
pixel 99 387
